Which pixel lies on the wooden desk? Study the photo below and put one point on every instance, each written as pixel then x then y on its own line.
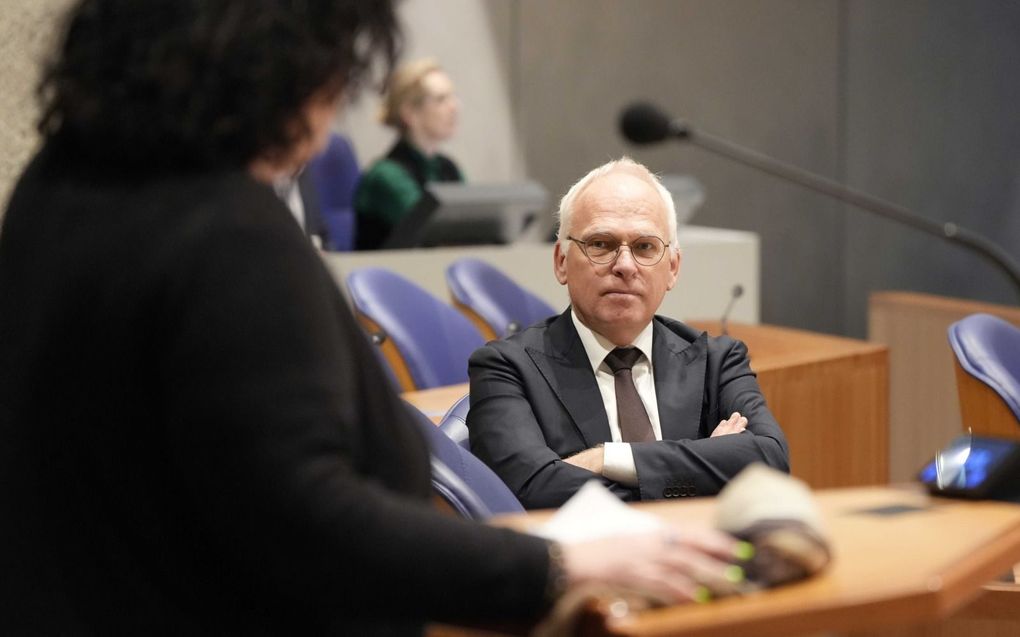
pixel 831 397
pixel 917 566
pixel 829 394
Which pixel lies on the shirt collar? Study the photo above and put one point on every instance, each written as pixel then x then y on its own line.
pixel 597 346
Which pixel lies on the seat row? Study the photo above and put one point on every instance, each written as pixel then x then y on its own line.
pixel 425 342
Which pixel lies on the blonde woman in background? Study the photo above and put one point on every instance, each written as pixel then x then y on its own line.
pixel 422 106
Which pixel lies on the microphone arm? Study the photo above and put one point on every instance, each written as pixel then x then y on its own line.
pixel 947 230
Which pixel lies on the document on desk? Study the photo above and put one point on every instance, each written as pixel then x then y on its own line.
pixel 593 513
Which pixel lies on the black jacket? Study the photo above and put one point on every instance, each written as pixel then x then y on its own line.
pixel 195 436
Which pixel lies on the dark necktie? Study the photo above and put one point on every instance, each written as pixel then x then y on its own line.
pixel 630 412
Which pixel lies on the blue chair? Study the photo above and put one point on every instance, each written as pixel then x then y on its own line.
pixel 493 301
pixel 454 423
pixel 461 479
pixel 426 342
pixel 987 350
pixel 335 175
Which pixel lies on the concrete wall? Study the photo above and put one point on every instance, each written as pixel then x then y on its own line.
pixel 26 27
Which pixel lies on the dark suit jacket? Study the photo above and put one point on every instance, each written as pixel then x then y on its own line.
pixel 535 400
pixel 195 436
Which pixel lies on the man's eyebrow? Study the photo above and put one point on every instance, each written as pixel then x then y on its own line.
pixel 646 232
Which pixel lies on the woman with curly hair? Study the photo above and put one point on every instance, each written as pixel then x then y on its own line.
pixel 195 437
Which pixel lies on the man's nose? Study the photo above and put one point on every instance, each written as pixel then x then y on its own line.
pixel 625 262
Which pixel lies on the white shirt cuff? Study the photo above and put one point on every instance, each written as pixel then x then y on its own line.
pixel 618 463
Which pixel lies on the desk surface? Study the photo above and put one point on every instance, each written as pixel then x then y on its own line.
pixel 900 558
pixel 435 402
pixel 772 347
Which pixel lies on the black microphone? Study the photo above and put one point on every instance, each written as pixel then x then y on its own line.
pixel 735 293
pixel 642 123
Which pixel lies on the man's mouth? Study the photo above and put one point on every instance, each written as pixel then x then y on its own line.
pixel 619 293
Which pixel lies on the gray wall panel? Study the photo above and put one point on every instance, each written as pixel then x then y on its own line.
pixel 933 123
pixel 761 73
pixel 913 101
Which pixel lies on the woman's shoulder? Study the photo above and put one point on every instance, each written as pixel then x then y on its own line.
pixel 386 171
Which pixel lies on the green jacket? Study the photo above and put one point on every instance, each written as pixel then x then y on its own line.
pixel 391 189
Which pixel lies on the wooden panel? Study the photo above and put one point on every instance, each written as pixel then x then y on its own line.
pixel 835 416
pixel 982 410
pixel 829 394
pixel 995 613
pixel 924 410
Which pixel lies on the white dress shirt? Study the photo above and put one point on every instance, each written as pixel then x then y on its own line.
pixel 287 190
pixel 618 459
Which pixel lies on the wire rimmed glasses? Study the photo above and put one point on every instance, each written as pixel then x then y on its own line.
pixel 602 249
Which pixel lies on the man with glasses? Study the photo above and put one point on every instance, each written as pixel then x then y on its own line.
pixel 608 390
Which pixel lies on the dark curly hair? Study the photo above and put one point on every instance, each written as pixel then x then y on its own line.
pixel 205 84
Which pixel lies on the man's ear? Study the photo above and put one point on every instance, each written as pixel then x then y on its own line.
pixel 560 263
pixel 674 267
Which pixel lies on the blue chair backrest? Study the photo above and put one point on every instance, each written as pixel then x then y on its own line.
pixel 988 348
pixel 335 173
pixel 454 423
pixel 463 480
pixel 434 339
pixel 495 297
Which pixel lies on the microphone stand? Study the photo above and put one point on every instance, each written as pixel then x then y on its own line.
pixel 735 293
pixel 948 230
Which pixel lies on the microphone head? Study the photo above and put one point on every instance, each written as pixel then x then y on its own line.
pixel 738 291
pixel 642 123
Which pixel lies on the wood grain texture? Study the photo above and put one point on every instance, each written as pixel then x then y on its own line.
pixel 829 394
pixel 390 352
pixel 982 409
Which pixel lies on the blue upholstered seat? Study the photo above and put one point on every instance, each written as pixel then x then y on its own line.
pixel 335 174
pixel 461 479
pixel 987 348
pixel 502 305
pixel 454 423
pixel 432 339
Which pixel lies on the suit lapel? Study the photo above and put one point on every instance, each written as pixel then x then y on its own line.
pixel 679 382
pixel 564 365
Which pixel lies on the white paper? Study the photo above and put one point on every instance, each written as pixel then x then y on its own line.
pixel 594 513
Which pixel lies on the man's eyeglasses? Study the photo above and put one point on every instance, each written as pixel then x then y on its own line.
pixel 605 248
